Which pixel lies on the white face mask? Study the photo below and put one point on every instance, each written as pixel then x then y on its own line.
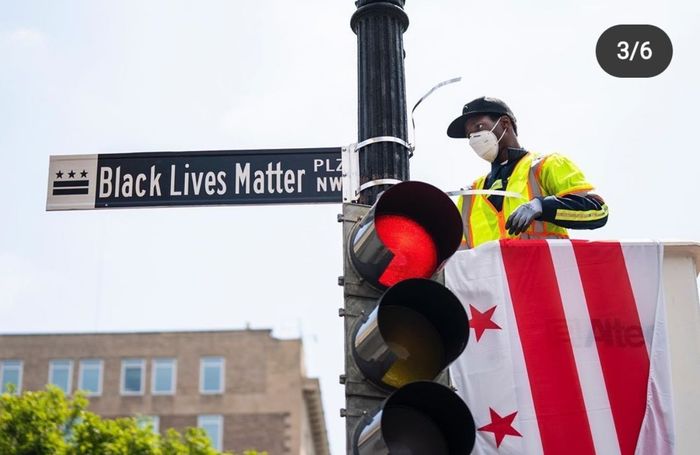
pixel 485 143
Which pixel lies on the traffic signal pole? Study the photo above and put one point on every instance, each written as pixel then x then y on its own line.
pixel 379 26
pixel 381 112
pixel 403 328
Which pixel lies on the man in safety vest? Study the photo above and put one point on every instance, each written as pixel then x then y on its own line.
pixel 544 195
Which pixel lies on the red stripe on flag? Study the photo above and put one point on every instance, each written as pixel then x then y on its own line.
pixel 549 356
pixel 618 335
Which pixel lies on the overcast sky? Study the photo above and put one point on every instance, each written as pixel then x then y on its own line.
pixel 112 76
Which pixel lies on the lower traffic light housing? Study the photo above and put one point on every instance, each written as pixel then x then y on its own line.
pixel 421 418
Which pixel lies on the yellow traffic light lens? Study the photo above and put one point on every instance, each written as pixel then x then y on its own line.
pixel 416 343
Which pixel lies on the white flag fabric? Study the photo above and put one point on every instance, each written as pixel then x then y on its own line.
pixel 568 348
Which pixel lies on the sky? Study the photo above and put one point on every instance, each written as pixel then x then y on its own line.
pixel 85 77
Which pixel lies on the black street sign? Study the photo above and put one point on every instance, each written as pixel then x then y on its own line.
pixel 221 177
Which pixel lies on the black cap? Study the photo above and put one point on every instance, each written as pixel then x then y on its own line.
pixel 483 105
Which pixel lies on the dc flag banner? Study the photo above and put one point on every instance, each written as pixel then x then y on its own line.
pixel 568 350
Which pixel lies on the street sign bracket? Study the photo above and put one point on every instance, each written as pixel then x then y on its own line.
pixel 351 172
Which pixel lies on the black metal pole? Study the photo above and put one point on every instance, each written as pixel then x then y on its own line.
pixel 379 26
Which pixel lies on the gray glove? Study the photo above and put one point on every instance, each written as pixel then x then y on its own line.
pixel 520 219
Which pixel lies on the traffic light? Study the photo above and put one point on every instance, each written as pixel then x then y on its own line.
pixel 403 328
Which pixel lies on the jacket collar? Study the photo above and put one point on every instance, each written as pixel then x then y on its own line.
pixel 514 155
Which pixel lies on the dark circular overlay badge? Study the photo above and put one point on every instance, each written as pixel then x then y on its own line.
pixel 634 51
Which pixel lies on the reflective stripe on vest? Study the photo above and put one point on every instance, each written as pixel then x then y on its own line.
pixel 535 190
pixel 467 202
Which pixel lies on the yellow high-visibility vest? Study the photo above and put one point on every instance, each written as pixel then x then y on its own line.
pixel 533 176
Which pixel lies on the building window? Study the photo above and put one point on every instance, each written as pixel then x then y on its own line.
pixel 61 374
pixel 11 373
pixel 211 375
pixel 90 377
pixel 213 425
pixel 164 376
pixel 132 376
pixel 149 421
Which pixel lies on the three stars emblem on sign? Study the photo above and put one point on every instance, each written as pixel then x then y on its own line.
pixel 71 174
pixel 71 185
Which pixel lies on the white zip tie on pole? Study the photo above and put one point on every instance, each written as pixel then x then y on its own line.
pixel 378 139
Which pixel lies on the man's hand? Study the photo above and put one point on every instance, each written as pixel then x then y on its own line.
pixel 520 219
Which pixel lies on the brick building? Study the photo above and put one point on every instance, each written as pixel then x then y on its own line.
pixel 245 388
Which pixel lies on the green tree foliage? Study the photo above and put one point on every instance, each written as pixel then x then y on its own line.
pixel 48 423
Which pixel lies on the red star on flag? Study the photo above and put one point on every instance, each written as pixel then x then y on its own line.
pixel 501 426
pixel 480 322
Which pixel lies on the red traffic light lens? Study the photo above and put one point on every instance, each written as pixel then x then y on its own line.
pixel 415 251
